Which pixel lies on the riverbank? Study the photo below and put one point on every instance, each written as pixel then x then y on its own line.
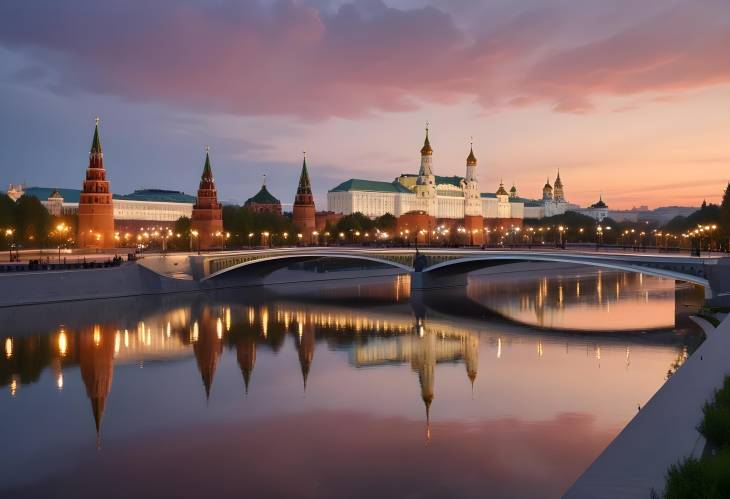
pixel 663 432
pixel 132 279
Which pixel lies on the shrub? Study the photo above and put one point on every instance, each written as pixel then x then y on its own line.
pixel 708 478
pixel 715 426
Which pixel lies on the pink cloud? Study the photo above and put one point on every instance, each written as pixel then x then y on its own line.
pixel 293 58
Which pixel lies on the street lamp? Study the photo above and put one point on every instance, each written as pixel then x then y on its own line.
pixel 194 235
pixel 10 233
pixel 61 229
pixel 250 235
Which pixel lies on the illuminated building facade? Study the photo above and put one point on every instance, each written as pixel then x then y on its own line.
pixel 96 214
pixel 207 219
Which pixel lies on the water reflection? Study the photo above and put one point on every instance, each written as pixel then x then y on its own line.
pixel 284 375
pixel 580 299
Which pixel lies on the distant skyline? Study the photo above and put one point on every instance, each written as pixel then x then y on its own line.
pixel 627 99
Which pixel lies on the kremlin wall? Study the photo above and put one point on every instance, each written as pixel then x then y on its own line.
pixel 422 204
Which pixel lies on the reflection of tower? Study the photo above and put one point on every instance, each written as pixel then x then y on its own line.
pixel 96 362
pixel 424 363
pixel 471 357
pixel 306 348
pixel 208 349
pixel 96 213
pixel 246 355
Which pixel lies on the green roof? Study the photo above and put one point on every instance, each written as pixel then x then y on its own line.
pixel 74 195
pixel 95 142
pixel 356 184
pixel 263 197
pixel 43 193
pixel 453 180
pixel 305 187
pixel 158 195
pixel 207 172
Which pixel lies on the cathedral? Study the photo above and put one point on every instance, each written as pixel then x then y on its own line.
pixel 424 201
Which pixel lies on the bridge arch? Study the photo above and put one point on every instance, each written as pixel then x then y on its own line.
pixel 476 262
pixel 285 258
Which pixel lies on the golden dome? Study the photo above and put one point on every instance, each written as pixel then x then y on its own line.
pixel 426 149
pixel 471 160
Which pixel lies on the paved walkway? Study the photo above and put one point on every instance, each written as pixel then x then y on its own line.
pixel 663 432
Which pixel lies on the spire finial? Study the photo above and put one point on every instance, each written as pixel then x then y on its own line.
pixel 263 184
pixel 96 121
pixel 427 125
pixel 207 149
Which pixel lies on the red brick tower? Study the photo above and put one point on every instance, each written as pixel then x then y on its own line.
pixel 304 211
pixel 207 218
pixel 96 212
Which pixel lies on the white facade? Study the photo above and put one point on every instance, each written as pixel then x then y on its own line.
pixel 440 197
pixel 154 211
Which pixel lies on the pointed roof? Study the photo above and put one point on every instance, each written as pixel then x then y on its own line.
pixel 428 417
pixel 263 197
pixel 97 406
pixel 426 149
pixel 501 191
pixel 246 356
pixel 471 160
pixel 513 190
pixel 207 171
pixel 95 142
pixel 558 182
pixel 600 203
pixel 304 186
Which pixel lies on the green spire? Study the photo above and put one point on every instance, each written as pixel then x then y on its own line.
pixel 96 143
pixel 304 186
pixel 207 171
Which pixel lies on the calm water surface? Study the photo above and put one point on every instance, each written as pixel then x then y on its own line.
pixel 502 389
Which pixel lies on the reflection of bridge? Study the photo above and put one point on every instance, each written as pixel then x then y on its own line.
pixel 433 268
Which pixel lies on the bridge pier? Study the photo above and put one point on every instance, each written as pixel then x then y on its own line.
pixel 422 281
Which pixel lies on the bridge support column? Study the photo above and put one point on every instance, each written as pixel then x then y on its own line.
pixel 423 281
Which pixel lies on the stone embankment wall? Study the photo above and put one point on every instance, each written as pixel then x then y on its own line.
pixel 129 279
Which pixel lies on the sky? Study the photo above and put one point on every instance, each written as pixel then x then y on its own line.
pixel 629 100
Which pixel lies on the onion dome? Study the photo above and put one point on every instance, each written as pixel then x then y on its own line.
pixel 426 149
pixel 471 160
pixel 501 191
pixel 600 203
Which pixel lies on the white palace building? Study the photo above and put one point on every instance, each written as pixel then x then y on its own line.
pixel 444 198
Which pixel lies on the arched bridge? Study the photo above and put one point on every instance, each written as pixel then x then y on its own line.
pixel 432 268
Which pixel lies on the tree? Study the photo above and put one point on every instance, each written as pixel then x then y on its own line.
pixel 354 222
pixel 386 223
pixel 33 223
pixel 724 219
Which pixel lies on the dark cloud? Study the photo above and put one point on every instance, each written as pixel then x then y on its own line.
pixel 295 58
